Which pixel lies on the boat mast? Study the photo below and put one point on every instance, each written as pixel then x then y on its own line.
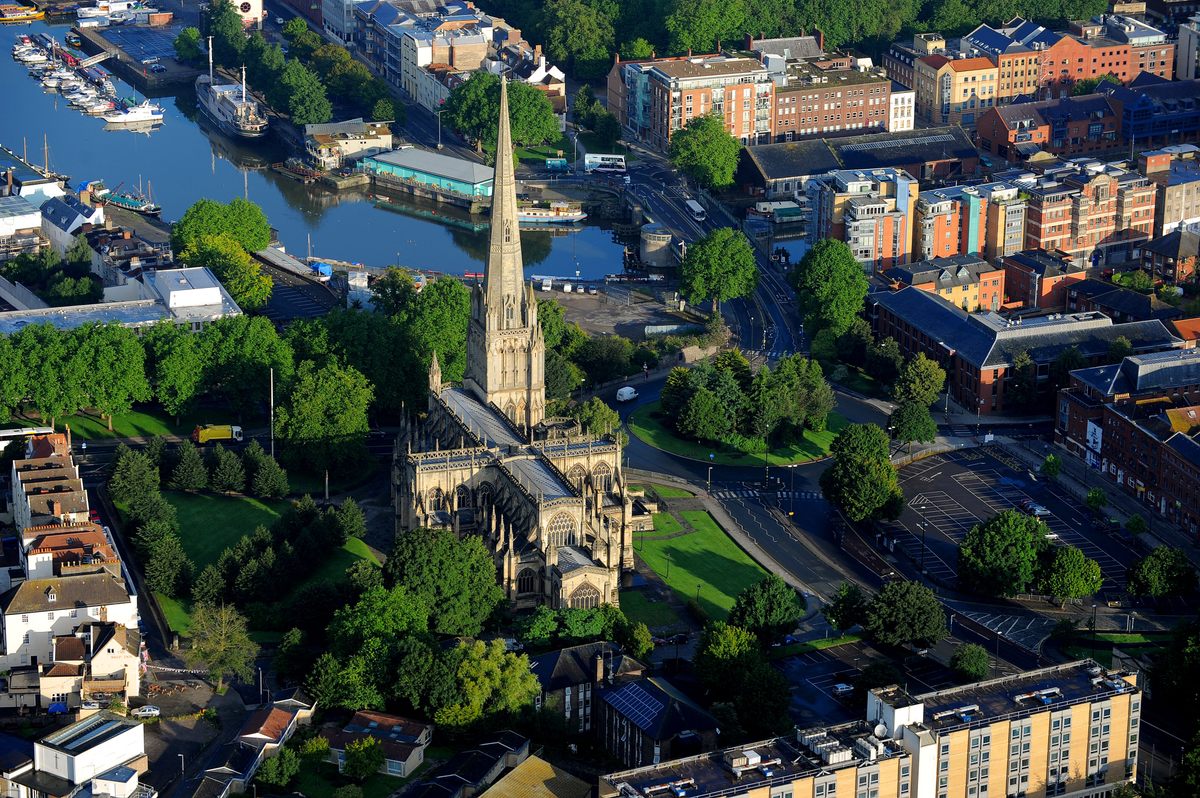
pixel 243 84
pixel 46 151
pixel 210 64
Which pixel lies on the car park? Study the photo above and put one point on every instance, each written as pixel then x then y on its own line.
pixel 1033 508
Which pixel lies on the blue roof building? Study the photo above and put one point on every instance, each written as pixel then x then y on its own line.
pixel 441 173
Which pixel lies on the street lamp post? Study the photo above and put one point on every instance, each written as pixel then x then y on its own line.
pixel 710 479
pixel 1095 641
pixel 181 764
pixel 438 114
pixel 792 491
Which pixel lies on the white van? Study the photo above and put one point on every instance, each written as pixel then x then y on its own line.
pixel 627 394
pixel 841 688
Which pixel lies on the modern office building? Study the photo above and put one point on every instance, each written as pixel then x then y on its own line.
pixel 950 221
pixel 1175 171
pixel 1064 126
pixel 870 210
pixel 1070 730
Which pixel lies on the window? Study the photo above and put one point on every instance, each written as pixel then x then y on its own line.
pixel 395 768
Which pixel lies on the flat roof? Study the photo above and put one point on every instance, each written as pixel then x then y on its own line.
pixel 15 206
pixel 708 66
pixel 132 313
pixel 88 733
pixel 434 163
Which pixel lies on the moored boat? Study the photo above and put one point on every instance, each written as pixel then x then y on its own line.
pixel 142 113
pixel 15 13
pixel 231 106
pixel 555 212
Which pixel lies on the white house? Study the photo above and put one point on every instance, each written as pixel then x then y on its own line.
pixel 902 110
pixel 38 610
pixel 39 483
pixel 335 144
pixel 91 749
pixel 62 218
pixel 20 227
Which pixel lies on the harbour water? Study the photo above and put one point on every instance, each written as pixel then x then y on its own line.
pixel 186 159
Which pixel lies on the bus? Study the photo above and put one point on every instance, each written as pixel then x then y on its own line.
pixel 613 164
pixel 697 210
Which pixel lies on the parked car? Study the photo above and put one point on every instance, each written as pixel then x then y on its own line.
pixel 157 68
pixel 1034 509
pixel 841 688
pixel 90 705
pixel 148 711
pixel 627 394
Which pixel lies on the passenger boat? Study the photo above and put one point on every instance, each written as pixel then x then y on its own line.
pixel 230 106
pixel 73 39
pixel 555 212
pixel 134 201
pixel 11 14
pixel 144 112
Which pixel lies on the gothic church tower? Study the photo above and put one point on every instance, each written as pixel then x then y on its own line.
pixel 505 350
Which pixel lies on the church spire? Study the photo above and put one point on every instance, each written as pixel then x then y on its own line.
pixel 504 280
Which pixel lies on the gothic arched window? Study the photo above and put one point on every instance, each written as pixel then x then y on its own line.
pixel 526 580
pixel 560 531
pixel 602 477
pixel 585 597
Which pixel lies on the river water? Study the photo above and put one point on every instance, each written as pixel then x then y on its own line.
pixel 184 160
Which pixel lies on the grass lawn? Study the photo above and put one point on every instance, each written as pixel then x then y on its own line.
pixel 707 560
pixel 322 778
pixel 666 524
pixel 668 492
pixel 647 424
pixel 209 524
pixel 550 150
pixel 812 645
pixel 343 480
pixel 1134 643
pixel 137 423
pixel 655 614
pixel 858 381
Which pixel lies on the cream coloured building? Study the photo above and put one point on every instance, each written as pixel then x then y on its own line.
pixel 549 501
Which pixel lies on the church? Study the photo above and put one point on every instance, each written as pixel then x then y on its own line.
pixel 549 501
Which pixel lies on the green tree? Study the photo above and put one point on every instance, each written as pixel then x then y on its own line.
pixel 636 50
pixel 1022 387
pixel 606 358
pixel 579 35
pixel 384 111
pixel 323 422
pixel 473 109
pixel 906 613
pixel 393 292
pixel 187 45
pixel 723 653
pixel 706 152
pixel 912 422
pixel 1089 85
pixel 998 557
pixel 971 662
pixel 1067 361
pixel 919 382
pixel 831 286
pixel 176 361
pixel 189 472
pixel 168 567
pixel 221 642
pixel 364 758
pixel 209 586
pixel 241 220
pixel 1051 467
pixel 861 481
pixel 307 103
pixel 118 370
pixel 228 475
pixel 222 21
pixel 490 681
pixel 133 476
pixel 436 321
pixel 270 480
pixel 14 385
pixel 1166 571
pixel 719 267
pixel 768 609
pixel 350 521
pixel 597 418
pixel 455 578
pixel 705 417
pixel 699 25
pixel 380 614
pixel 884 361
pixel 1070 574
pixel 346 685
pixel 55 375
pixel 224 257
pixel 1119 349
pixel 281 769
pixel 1096 499
pixel 847 607
pixel 1185 783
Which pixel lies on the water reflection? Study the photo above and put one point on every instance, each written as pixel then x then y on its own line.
pixel 187 159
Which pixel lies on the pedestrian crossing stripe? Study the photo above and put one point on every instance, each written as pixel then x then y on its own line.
pixel 741 493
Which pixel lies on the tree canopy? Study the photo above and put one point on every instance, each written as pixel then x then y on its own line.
pixel 1166 571
pixel 323 421
pixel 999 556
pixel 862 481
pixel 706 152
pixel 220 641
pixel 719 267
pixel 240 219
pixel 906 613
pixel 1070 574
pixel 473 109
pixel 768 609
pixel 971 662
pixel 224 256
pixel 831 286
pixel 919 382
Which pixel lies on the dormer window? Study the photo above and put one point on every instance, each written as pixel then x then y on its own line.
pixel 51 596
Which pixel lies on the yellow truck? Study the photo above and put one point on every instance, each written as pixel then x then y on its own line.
pixel 205 433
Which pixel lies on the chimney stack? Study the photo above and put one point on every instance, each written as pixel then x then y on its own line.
pixel 599 668
pixel 85 197
pixel 68 426
pixel 56 508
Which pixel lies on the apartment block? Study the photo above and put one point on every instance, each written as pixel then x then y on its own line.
pixel 1156 112
pixel 900 59
pixel 1175 172
pixel 655 98
pixel 1016 58
pixel 1095 213
pixel 950 221
pixel 1039 279
pixel 1006 210
pixel 1173 258
pixel 968 281
pixel 1187 50
pixel 954 91
pixel 1070 730
pixel 977 349
pixel 827 95
pixel 1066 127
pixel 870 210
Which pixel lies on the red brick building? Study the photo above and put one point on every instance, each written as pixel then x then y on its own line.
pixel 1066 127
pixel 826 96
pixel 1172 258
pixel 977 350
pixel 1040 279
pixel 969 281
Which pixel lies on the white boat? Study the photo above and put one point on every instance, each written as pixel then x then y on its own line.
pixel 99 106
pixel 550 213
pixel 33 57
pixel 230 106
pixel 142 113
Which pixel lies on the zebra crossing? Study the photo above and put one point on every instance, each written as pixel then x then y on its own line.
pixel 743 493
